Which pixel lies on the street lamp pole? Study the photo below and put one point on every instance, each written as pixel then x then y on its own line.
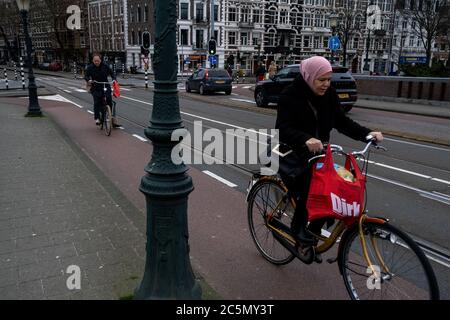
pixel 366 64
pixel 168 273
pixel 34 110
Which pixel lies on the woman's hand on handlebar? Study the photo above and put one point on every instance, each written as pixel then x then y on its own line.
pixel 378 136
pixel 314 145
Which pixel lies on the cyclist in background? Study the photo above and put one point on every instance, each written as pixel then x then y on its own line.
pixel 99 71
pixel 307 112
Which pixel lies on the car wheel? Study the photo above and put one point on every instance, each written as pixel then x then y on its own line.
pixel 260 98
pixel 201 90
pixel 187 87
pixel 228 92
pixel 347 107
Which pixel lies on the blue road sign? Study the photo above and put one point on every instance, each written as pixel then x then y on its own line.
pixel 404 59
pixel 334 43
pixel 187 60
pixel 213 59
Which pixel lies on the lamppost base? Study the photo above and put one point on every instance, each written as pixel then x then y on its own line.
pixel 34 114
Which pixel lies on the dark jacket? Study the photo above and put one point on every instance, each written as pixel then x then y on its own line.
pixel 100 74
pixel 297 121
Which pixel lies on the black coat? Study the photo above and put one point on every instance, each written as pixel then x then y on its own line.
pixel 297 121
pixel 99 74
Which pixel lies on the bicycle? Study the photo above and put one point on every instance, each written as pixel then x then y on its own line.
pixel 106 112
pixel 376 259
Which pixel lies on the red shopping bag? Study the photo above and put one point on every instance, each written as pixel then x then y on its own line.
pixel 330 195
pixel 116 89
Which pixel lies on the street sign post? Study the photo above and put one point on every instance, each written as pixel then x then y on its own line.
pixel 334 43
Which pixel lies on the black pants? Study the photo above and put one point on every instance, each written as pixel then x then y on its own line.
pixel 98 101
pixel 299 189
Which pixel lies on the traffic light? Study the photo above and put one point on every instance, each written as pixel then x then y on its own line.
pixel 212 47
pixel 146 40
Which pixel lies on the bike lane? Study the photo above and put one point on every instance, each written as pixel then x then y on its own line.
pixel 222 250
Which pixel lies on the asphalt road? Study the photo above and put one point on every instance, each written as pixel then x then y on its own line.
pixel 409 184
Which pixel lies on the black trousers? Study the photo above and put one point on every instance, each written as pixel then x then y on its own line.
pixel 299 189
pixel 98 96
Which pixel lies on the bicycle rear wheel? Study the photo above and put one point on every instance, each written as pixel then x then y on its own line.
pixel 107 120
pixel 262 202
pixel 400 270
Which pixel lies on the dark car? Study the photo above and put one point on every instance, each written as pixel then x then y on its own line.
pixel 209 80
pixel 268 91
pixel 55 66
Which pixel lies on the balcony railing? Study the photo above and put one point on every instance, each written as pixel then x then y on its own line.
pixel 247 24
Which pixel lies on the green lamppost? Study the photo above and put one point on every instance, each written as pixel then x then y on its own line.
pixel 34 110
pixel 168 273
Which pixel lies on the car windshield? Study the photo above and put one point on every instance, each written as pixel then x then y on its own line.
pixel 218 73
pixel 340 69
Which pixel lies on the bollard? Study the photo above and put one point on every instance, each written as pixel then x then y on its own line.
pixel 74 70
pixel 123 70
pixel 146 79
pixel 243 78
pixel 22 74
pixel 6 80
pixel 15 71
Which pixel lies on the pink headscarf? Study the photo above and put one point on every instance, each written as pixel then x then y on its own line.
pixel 314 67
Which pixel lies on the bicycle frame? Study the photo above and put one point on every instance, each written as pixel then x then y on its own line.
pixel 340 228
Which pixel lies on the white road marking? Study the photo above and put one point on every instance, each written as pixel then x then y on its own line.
pixel 421 192
pixel 80 90
pixel 215 176
pixel 417 144
pixel 234 94
pixel 150 104
pixel 140 138
pixel 233 87
pixel 125 89
pixel 440 180
pixel 402 170
pixel 246 87
pixel 58 97
pixel 66 91
pixel 207 119
pixel 243 100
pixel 90 112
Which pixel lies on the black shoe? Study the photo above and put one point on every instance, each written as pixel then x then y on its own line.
pixel 97 122
pixel 305 237
pixel 115 125
pixel 318 258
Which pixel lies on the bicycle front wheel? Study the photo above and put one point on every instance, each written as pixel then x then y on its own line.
pixel 399 270
pixel 107 120
pixel 269 198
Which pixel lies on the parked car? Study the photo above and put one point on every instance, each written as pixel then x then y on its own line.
pixel 209 80
pixel 55 66
pixel 268 91
pixel 44 66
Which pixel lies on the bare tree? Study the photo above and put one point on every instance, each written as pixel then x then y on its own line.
pixel 9 25
pixel 348 11
pixel 428 16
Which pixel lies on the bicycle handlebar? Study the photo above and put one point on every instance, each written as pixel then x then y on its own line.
pixel 338 149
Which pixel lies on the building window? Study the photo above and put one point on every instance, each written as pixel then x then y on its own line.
pixel 245 13
pixel 306 41
pixel 184 37
pixel 232 37
pixel 199 39
pixel 256 16
pixel 145 13
pixel 232 14
pixel 184 9
pixel 139 14
pixel 199 12
pixel 244 38
pixel 216 12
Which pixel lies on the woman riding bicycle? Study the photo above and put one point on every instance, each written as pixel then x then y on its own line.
pixel 307 112
pixel 98 71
